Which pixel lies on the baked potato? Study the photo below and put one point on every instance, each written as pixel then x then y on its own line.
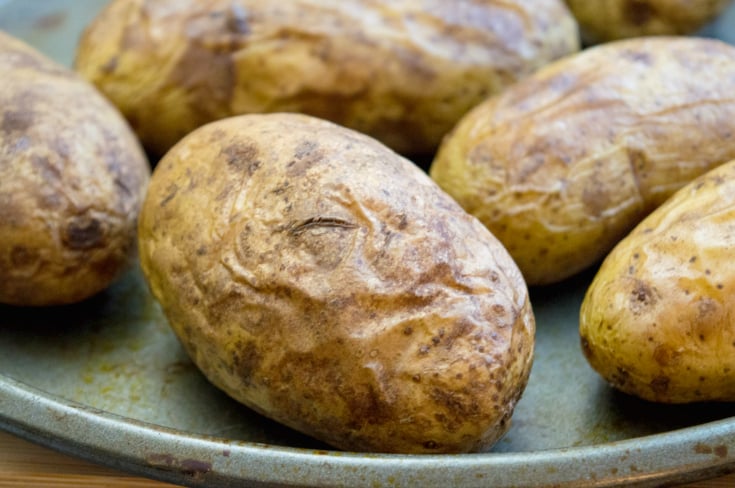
pixel 657 320
pixel 562 165
pixel 607 20
pixel 326 282
pixel 72 180
pixel 401 71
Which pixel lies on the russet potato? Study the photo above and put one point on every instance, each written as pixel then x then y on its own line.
pixel 72 179
pixel 657 320
pixel 326 282
pixel 562 165
pixel 402 71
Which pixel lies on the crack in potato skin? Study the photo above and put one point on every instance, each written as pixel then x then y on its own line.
pixel 352 300
pixel 401 71
pixel 72 181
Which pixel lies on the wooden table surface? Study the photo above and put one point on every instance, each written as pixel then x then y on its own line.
pixel 23 464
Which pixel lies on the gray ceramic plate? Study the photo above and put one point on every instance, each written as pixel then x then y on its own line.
pixel 106 380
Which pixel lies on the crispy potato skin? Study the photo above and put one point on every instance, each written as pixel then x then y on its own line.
pixel 72 180
pixel 401 71
pixel 607 20
pixel 657 320
pixel 562 165
pixel 324 281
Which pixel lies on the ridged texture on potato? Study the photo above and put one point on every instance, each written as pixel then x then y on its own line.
pixel 658 320
pixel 72 179
pixel 402 71
pixel 607 20
pixel 328 283
pixel 563 164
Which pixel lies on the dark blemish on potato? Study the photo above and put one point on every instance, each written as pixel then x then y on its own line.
pixel 110 66
pixel 408 331
pixel 424 349
pixel 416 378
pixel 660 384
pixel 306 154
pixel 403 222
pixel 663 355
pixel 83 232
pixel 242 156
pixel 692 259
pixel 46 169
pixel 641 297
pixel 23 257
pixel 201 251
pixel 721 451
pixel 16 121
pixel 171 192
pixel 245 360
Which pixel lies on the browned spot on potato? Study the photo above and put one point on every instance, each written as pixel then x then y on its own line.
pixel 15 120
pixel 585 344
pixel 307 153
pixel 23 257
pixel 83 232
pixel 641 297
pixel 245 360
pixel 639 12
pixel 242 156
pixel 660 384
pixel 701 448
pixel 663 355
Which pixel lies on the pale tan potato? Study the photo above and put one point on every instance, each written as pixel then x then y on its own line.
pixel 607 20
pixel 324 281
pixel 402 71
pixel 658 320
pixel 563 164
pixel 72 179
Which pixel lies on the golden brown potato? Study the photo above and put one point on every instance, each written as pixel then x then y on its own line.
pixel 657 321
pixel 324 281
pixel 401 71
pixel 562 165
pixel 607 20
pixel 72 180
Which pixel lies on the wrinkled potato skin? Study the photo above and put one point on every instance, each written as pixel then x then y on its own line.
pixel 607 20
pixel 72 179
pixel 324 281
pixel 657 320
pixel 561 166
pixel 402 71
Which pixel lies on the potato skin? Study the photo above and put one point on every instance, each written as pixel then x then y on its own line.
pixel 403 72
pixel 562 165
pixel 657 320
pixel 72 180
pixel 324 281
pixel 607 20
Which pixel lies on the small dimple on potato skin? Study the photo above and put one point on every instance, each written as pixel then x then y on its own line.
pixel 348 297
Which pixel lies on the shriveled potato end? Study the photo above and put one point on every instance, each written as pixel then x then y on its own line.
pixel 326 282
pixel 657 320
pixel 71 184
pixel 403 72
pixel 607 20
pixel 563 164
